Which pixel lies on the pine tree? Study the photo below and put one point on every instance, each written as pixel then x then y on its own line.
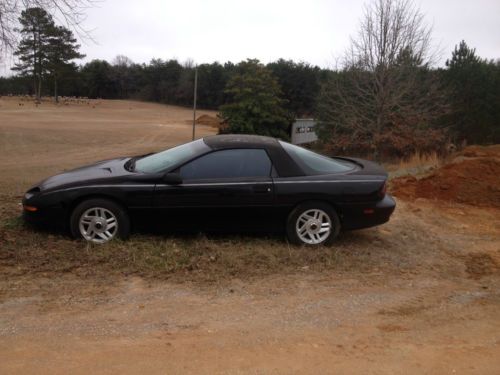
pixel 36 26
pixel 45 49
pixel 463 56
pixel 255 106
pixel 475 96
pixel 61 49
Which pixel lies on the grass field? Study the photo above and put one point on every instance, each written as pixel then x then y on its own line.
pixel 417 295
pixel 37 141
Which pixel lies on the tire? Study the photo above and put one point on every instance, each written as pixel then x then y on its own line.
pixel 306 224
pixel 99 221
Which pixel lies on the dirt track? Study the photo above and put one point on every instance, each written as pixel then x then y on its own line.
pixel 418 295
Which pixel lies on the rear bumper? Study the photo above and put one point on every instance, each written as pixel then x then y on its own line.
pixel 365 215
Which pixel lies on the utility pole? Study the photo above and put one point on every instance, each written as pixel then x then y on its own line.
pixel 194 103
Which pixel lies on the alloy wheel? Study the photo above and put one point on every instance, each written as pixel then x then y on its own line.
pixel 313 226
pixel 98 225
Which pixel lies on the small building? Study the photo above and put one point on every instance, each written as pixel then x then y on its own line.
pixel 303 131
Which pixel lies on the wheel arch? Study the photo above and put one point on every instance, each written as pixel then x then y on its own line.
pixel 75 202
pixel 335 206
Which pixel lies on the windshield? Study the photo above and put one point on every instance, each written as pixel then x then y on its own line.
pixel 164 160
pixel 313 163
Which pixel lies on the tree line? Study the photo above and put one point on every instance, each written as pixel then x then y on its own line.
pixel 385 98
pixel 171 82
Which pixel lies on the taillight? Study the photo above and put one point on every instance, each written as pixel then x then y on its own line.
pixel 383 190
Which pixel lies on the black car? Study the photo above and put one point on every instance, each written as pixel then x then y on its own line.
pixel 219 182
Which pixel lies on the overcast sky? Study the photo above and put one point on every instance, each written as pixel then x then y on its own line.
pixel 314 31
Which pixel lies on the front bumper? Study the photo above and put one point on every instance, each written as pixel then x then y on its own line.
pixel 48 217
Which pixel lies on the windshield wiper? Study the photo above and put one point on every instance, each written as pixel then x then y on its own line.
pixel 130 164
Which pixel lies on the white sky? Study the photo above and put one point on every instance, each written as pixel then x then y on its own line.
pixel 314 31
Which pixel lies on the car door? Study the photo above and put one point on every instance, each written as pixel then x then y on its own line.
pixel 225 187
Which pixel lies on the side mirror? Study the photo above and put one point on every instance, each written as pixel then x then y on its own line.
pixel 172 179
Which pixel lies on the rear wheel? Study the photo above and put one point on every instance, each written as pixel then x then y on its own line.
pixel 99 221
pixel 313 223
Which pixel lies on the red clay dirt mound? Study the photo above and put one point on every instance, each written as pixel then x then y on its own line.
pixel 473 177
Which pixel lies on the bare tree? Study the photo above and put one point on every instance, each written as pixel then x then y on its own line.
pixel 385 88
pixel 123 74
pixel 72 13
pixel 122 61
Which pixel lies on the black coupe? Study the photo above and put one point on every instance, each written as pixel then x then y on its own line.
pixel 218 182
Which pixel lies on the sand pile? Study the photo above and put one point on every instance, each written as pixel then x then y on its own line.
pixel 208 120
pixel 473 177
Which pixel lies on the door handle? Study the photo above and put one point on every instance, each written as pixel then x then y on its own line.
pixel 262 189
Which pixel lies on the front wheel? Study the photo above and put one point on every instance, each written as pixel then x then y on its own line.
pixel 99 221
pixel 313 223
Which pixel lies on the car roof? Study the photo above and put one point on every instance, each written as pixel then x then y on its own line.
pixel 240 141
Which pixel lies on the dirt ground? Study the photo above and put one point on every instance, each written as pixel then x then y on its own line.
pixel 419 295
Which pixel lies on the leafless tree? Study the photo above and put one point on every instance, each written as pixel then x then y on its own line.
pixel 122 73
pixel 122 61
pixel 385 87
pixel 72 13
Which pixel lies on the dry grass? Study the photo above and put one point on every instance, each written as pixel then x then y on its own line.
pixel 419 160
pixel 203 258
pixel 211 258
pixel 417 163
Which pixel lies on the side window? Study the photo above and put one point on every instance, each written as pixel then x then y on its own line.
pixel 229 164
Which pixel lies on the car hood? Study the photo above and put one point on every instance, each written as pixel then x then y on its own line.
pixel 97 172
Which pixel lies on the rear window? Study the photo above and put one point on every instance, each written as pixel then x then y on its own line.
pixel 313 163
